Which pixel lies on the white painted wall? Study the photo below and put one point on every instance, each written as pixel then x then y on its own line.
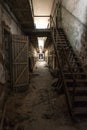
pixel 75 25
pixel 77 7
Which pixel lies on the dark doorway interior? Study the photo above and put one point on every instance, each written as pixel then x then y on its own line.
pixel 40 56
pixel 8 57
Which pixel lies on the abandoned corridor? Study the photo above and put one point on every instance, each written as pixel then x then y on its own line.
pixel 53 30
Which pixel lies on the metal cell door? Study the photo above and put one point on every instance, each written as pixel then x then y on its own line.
pixel 20 61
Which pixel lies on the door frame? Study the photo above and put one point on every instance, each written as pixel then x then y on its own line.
pixel 6 28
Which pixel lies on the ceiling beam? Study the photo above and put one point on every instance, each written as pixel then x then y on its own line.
pixel 41 15
pixel 38 32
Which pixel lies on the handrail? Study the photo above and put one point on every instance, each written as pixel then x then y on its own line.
pixel 70 100
pixel 55 7
pixel 68 97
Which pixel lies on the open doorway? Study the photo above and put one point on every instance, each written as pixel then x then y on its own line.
pixel 41 56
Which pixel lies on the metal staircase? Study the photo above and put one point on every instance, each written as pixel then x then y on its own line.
pixel 72 73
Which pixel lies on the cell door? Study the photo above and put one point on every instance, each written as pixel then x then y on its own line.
pixel 20 61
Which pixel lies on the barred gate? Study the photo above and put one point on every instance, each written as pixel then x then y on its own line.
pixel 20 61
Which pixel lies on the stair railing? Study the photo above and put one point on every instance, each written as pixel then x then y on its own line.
pixel 55 36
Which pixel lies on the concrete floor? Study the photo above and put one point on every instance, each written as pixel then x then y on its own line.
pixel 40 108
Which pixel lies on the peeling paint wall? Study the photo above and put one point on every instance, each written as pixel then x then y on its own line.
pixel 10 21
pixel 4 16
pixel 14 29
pixel 74 21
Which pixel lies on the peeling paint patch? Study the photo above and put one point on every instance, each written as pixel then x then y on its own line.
pixel 76 31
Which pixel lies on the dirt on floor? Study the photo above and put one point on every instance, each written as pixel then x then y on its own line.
pixel 40 107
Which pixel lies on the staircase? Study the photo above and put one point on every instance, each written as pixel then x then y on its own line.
pixel 75 77
pixel 72 74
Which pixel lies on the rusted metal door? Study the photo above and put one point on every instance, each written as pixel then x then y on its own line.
pixel 20 61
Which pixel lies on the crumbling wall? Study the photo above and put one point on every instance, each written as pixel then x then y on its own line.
pixel 14 29
pixel 74 22
pixel 10 21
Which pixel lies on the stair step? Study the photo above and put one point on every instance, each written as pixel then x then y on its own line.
pixel 62 38
pixel 80 104
pixel 81 93
pixel 61 45
pixel 80 112
pixel 78 80
pixel 59 40
pixel 61 34
pixel 77 76
pixel 81 87
pixel 76 73
pixel 80 98
pixel 62 42
pixel 81 116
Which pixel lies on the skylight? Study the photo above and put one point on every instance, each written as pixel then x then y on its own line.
pixel 41 22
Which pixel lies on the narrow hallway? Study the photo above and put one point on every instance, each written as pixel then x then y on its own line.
pixel 41 108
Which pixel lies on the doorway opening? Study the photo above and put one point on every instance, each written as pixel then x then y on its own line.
pixel 41 56
pixel 7 56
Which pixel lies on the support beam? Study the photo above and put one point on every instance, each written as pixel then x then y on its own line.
pixel 38 32
pixel 41 15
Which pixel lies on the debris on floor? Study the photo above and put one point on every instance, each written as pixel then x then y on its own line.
pixel 39 108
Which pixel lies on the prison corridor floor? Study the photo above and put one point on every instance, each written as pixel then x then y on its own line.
pixel 40 108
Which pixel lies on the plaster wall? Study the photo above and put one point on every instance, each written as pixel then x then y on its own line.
pixel 14 29
pixel 74 22
pixel 10 21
